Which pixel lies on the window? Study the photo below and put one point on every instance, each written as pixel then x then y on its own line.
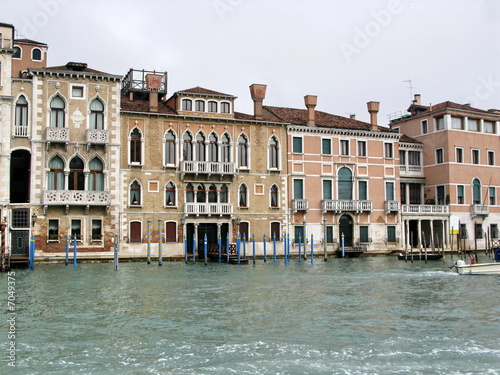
pixel 212 106
pixel 402 157
pixel 17 52
pixel 440 192
pixel 225 148
pixel 494 232
pixel 440 123
pixel 77 91
pixel 56 174
pixel 21 111
pixel 476 191
pixel 475 156
pixel 187 147
pixel 460 194
pixel 489 126
pixel 459 155
pixel 327 189
pixel 414 158
pixel 242 152
pixel 213 148
pixel 57 107
pixel 171 231
pixel 225 107
pixel 493 196
pixel 491 157
pixel 463 231
pixel 273 153
pixel 297 145
pixel 344 147
pixel 389 191
pixel 135 146
pixel 96 175
pixel 361 148
pixel 200 147
pixel 274 196
pixel 170 147
pixel 344 184
pixel 36 54
pixel 439 156
pixel 170 194
pixel 76 178
pixel 473 125
pixel 424 127
pixel 135 194
pixel 189 193
pixel 199 106
pixel 53 230
pixel 326 146
pixel 242 199
pixel 76 229
pixel 201 194
pixel 298 189
pixel 457 123
pixel 391 234
pixel 363 233
pixel 96 114
pixel 212 194
pixel 223 194
pixel 388 147
pixel 478 229
pixel 415 193
pixel 363 190
pixel 187 105
pixel 96 230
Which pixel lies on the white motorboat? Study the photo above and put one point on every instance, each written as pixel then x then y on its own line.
pixel 476 269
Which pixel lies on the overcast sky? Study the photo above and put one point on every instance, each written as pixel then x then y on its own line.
pixel 347 52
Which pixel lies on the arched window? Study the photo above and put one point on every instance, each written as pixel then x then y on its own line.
pixel 170 194
pixel 201 195
pixel 21 111
pixel 199 105
pixel 36 54
pixel 223 194
pixel 17 52
pixel 96 176
pixel 212 106
pixel 476 191
pixel 135 146
pixel 212 194
pixel 242 200
pixel 189 193
pixel 187 105
pixel 273 153
pixel 274 196
pixel 135 193
pixel 57 107
pixel 225 107
pixel 170 147
pixel 96 114
pixel 76 178
pixel 56 174
pixel 225 148
pixel 344 184
pixel 242 151
pixel 200 147
pixel 213 148
pixel 187 147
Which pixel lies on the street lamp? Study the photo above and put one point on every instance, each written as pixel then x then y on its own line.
pixel 33 219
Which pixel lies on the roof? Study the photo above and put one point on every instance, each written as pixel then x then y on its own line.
pixel 406 139
pixel 29 41
pixel 140 105
pixel 205 92
pixel 79 69
pixel 74 66
pixel 448 105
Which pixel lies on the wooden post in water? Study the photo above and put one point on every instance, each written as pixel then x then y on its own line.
pixel 160 242
pixel 253 248
pixel 67 249
pixel 149 242
pixel 2 230
pixel 265 249
pixel 116 252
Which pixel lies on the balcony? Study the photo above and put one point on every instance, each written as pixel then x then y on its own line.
pixel 338 206
pixel 208 209
pixel 425 209
pixel 20 131
pixel 57 135
pixel 392 206
pixel 479 209
pixel 97 137
pixel 208 167
pixel 411 170
pixel 300 205
pixel 5 43
pixel 76 198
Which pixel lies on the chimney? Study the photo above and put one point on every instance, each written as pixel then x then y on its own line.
pixel 258 93
pixel 417 99
pixel 153 84
pixel 311 101
pixel 352 116
pixel 373 110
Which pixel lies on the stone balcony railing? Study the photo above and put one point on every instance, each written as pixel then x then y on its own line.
pixel 392 206
pixel 57 135
pixel 76 198
pixel 208 167
pixel 411 170
pixel 97 137
pixel 208 209
pixel 479 209
pixel 300 205
pixel 425 209
pixel 338 206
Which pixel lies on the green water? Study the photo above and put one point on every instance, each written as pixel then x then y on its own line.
pixel 343 316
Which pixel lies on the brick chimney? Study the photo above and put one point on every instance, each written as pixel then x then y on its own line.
pixel 311 101
pixel 153 84
pixel 258 93
pixel 373 110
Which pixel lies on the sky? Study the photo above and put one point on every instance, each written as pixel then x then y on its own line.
pixel 347 52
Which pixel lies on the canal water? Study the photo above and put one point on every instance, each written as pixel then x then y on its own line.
pixel 344 316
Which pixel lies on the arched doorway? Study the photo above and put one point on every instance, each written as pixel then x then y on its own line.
pixel 345 228
pixel 20 164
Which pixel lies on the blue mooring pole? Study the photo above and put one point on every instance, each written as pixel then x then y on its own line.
pixel 343 250
pixel 238 244
pixel 74 251
pixel 185 249
pixel 265 250
pixel 312 248
pixel 220 248
pixel 160 242
pixel 274 247
pixel 205 245
pixel 253 248
pixel 300 247
pixel 325 238
pixel 67 249
pixel 227 248
pixel 244 245
pixel 285 250
pixel 149 241
pixel 32 253
pixel 194 247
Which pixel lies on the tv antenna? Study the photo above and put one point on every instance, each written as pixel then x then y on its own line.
pixel 411 88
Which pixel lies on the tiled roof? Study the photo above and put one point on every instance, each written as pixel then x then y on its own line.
pixel 29 41
pixel 143 106
pixel 450 105
pixel 406 139
pixel 66 68
pixel 203 91
pixel 300 116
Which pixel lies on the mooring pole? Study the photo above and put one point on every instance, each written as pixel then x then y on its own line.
pixel 285 250
pixel 325 237
pixel 74 251
pixel 227 248
pixel 185 249
pixel 274 247
pixel 253 248
pixel 149 241
pixel 244 245
pixel 116 251
pixel 32 253
pixel 343 249
pixel 67 249
pixel 2 231
pixel 205 244
pixel 220 248
pixel 265 250
pixel 238 244
pixel 160 240
pixel 312 248
pixel 300 247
